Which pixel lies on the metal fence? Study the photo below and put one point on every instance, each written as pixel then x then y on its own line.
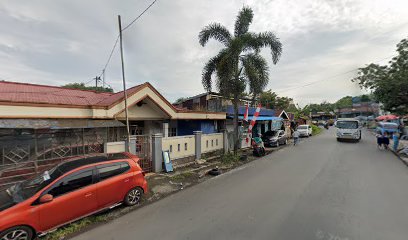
pixel 25 154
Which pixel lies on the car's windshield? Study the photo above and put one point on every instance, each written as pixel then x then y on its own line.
pixel 29 187
pixel 271 134
pixel 302 127
pixel 347 124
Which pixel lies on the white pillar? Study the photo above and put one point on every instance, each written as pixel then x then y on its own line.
pixel 165 129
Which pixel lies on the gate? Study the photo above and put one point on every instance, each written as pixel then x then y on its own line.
pixel 143 151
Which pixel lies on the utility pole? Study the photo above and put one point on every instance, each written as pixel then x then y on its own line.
pixel 96 81
pixel 103 78
pixel 124 85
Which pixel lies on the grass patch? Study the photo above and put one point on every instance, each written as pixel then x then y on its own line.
pixel 62 233
pixel 229 158
pixel 316 130
pixel 181 176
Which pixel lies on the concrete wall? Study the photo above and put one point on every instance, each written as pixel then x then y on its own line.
pixel 179 147
pixel 211 142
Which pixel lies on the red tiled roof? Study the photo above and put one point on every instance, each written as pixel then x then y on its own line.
pixel 31 93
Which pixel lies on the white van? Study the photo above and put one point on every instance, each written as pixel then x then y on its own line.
pixel 348 128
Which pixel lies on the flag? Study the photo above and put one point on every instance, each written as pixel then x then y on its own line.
pixel 256 114
pixel 246 113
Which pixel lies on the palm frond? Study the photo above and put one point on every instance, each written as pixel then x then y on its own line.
pixel 244 19
pixel 256 72
pixel 210 68
pixel 269 39
pixel 215 31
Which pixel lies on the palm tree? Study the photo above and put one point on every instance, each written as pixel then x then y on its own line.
pixel 238 66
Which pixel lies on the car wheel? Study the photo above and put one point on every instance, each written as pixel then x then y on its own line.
pixel 133 196
pixel 17 233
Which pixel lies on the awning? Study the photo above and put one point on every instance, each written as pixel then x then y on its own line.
pixel 58 123
pixel 260 118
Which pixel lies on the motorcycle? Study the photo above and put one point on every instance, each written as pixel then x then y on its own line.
pixel 258 147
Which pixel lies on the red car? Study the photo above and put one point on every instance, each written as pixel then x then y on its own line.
pixel 68 192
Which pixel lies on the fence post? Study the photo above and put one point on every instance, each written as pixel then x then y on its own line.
pixel 132 146
pixel 157 155
pixel 225 140
pixel 197 137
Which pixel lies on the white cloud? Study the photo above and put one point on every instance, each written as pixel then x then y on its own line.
pixel 56 42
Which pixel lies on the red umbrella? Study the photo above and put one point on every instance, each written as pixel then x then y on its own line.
pixel 387 117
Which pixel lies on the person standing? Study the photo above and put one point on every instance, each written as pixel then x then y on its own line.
pixel 296 136
pixel 395 139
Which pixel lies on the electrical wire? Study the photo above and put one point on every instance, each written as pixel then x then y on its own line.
pixel 140 15
pixel 331 77
pixel 117 40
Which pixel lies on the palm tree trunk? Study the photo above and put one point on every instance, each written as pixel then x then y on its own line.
pixel 236 126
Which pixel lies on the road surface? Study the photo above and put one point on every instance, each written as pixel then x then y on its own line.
pixel 318 190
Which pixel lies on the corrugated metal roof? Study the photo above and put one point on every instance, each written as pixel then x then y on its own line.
pixel 31 93
pixel 58 123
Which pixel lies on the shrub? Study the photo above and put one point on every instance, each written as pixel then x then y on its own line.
pixel 230 158
pixel 316 130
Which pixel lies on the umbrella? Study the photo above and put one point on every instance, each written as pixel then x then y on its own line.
pixel 386 117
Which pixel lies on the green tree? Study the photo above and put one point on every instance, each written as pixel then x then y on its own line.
pixel 238 65
pixel 180 100
pixel 344 102
pixel 388 83
pixel 82 86
pixel 268 99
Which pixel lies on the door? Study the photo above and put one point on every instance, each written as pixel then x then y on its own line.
pixel 115 181
pixel 74 196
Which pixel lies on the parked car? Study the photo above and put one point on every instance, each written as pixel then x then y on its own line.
pixel 68 192
pixel 274 138
pixel 305 130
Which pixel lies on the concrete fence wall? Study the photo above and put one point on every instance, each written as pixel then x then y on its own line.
pixel 179 147
pixel 211 142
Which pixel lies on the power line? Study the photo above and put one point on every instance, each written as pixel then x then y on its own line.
pixel 134 20
pixel 331 77
pixel 117 40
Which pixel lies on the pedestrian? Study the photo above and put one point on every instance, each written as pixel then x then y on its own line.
pixel 296 135
pixel 379 137
pixel 395 139
pixel 385 140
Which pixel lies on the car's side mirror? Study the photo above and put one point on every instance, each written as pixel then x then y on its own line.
pixel 46 198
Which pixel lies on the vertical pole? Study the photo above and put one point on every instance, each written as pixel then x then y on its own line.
pixel 96 81
pixel 124 84
pixel 103 78
pixel 83 142
pixel 35 151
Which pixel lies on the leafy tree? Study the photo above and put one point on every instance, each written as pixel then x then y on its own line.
pixel 388 83
pixel 82 86
pixel 271 100
pixel 344 102
pixel 180 100
pixel 238 65
pixel 268 99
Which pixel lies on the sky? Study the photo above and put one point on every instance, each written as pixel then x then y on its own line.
pixel 58 42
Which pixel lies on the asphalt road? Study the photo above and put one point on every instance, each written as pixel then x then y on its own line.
pixel 320 189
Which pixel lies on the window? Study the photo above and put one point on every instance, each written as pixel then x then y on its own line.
pixel 206 144
pixel 178 147
pixel 111 170
pixel 212 143
pixel 71 183
pixel 185 146
pixel 171 148
pixel 216 142
pixel 172 132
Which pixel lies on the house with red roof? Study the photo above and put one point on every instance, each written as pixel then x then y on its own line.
pixel 45 122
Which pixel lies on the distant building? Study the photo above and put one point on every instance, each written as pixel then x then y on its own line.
pixel 363 109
